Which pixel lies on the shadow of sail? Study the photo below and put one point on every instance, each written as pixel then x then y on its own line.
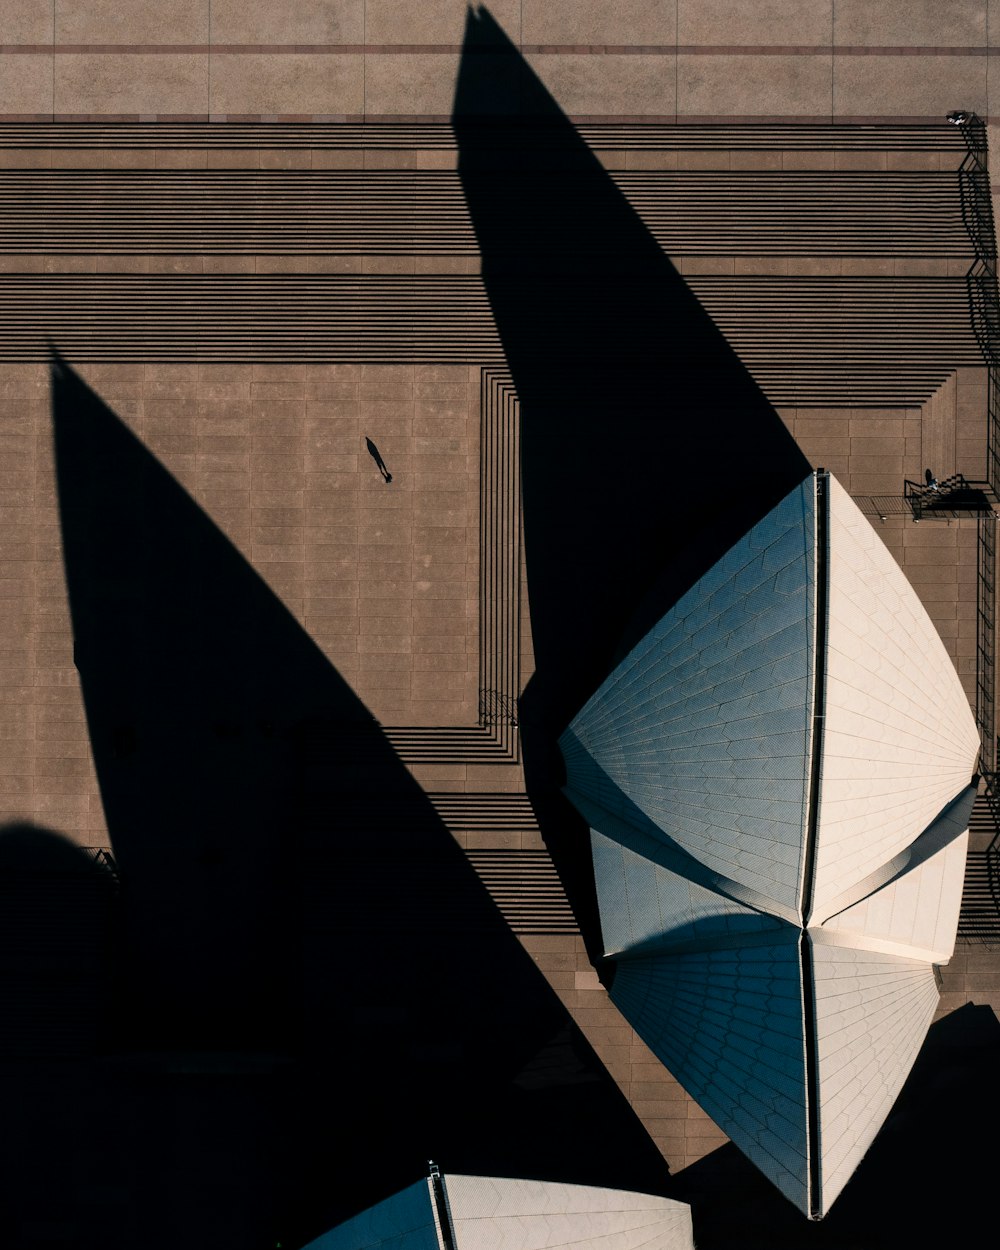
pixel 647 448
pixel 646 445
pixel 294 908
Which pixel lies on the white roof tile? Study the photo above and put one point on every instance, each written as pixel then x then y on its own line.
pixel 872 1013
pixel 503 1213
pixel 723 677
pixel 535 1215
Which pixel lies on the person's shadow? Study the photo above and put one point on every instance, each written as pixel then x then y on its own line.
pixel 375 454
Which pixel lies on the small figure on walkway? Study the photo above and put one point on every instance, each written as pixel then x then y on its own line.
pixel 932 483
pixel 376 456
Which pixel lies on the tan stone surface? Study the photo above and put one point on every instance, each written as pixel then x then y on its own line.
pixel 131 21
pixel 419 82
pixel 917 86
pixel 928 23
pixel 782 22
pixel 443 22
pixel 383 577
pixel 143 83
pixel 295 83
pixel 26 83
pixel 731 83
pixel 712 86
pixel 25 21
pixel 291 21
pixel 596 22
pixel 590 85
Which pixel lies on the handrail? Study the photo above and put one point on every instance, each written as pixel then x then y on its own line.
pixel 984 312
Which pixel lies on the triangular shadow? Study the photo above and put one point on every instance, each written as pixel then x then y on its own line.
pixel 289 891
pixel 647 449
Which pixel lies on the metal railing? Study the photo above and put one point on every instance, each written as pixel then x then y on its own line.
pixel 951 499
pixel 985 641
pixel 984 312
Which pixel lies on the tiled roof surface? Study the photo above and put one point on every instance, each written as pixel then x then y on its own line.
pixel 728 1024
pixel 504 1213
pixel 721 809
pixel 705 725
pixel 500 1213
pixel 645 904
pixel 899 738
pixel 872 1013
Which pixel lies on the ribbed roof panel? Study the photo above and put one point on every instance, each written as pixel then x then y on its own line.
pixel 728 1025
pixel 704 727
pixel 643 904
pixel 872 1014
pixel 501 1213
pixel 899 740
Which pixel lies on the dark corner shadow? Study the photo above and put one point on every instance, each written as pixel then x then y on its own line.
pixel 293 907
pixel 58 913
pixel 58 921
pixel 927 1180
pixel 647 449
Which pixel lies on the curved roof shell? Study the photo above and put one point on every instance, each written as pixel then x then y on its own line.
pixel 505 1213
pixel 777 780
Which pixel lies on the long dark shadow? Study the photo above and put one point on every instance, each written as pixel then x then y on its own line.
pixel 647 449
pixel 307 947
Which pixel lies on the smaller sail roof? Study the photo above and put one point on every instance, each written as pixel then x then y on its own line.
pixel 507 1213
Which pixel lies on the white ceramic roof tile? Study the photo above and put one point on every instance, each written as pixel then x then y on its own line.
pixel 644 904
pixel 899 739
pixel 728 1025
pixel 498 1213
pixel 872 1014
pixel 403 1222
pixel 704 727
pixel 915 914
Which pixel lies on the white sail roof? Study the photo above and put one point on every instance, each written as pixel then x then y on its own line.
pixel 506 1213
pixel 899 739
pixel 872 1014
pixel 728 1022
pixel 500 1213
pixel 705 726
pixel 777 780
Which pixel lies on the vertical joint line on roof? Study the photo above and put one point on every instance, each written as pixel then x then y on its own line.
pixel 821 609
pixel 814 1196
pixel 443 1209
